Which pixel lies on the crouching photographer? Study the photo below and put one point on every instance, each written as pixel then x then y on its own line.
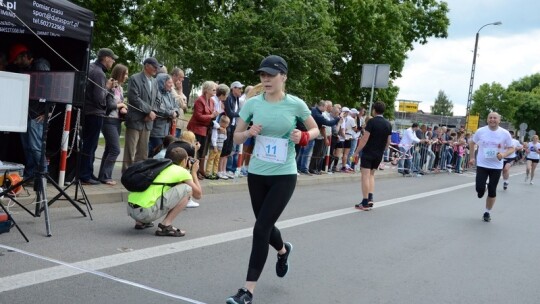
pixel 168 194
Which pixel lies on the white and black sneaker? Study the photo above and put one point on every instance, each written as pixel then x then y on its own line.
pixel 505 185
pixel 243 296
pixel 282 264
pixel 487 217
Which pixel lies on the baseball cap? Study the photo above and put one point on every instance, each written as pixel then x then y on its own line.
pixel 345 109
pixel 236 84
pixel 106 52
pixel 354 111
pixel 15 51
pixel 152 61
pixel 273 65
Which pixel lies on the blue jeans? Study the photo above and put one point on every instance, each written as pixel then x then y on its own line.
pixel 31 142
pixel 354 142
pixel 304 155
pixel 232 160
pixel 446 158
pixel 90 138
pixel 111 131
pixel 405 163
pixel 153 143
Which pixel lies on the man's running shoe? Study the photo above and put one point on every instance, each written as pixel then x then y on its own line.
pixel 243 296
pixel 487 217
pixel 282 264
pixel 505 185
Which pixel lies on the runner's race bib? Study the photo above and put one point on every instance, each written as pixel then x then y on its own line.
pixel 271 149
pixel 490 153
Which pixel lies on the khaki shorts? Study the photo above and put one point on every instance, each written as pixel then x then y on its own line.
pixel 171 198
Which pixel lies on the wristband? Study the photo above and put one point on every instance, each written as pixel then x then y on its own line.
pixel 304 139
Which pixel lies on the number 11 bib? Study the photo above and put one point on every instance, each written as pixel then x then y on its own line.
pixel 271 149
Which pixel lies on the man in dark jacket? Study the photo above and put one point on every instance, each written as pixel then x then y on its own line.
pixel 319 142
pixel 143 94
pixel 232 108
pixel 95 107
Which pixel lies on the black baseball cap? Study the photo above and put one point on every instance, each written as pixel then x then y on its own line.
pixel 106 52
pixel 153 61
pixel 273 65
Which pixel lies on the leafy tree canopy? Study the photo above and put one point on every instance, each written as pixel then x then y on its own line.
pixel 442 105
pixel 325 42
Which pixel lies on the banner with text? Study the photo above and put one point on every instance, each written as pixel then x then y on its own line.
pixel 407 106
pixel 472 124
pixel 55 18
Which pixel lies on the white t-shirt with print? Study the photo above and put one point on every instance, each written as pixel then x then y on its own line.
pixel 534 151
pixel 349 124
pixel 489 144
pixel 515 144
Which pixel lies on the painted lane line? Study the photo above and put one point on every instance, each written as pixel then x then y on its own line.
pixel 59 272
pixel 81 270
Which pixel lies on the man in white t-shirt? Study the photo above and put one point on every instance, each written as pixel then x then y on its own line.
pixel 494 144
pixel 406 145
pixel 509 161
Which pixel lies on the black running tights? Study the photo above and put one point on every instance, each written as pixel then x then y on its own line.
pixel 269 197
pixel 482 175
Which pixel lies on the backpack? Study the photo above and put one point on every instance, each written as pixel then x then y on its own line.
pixel 141 175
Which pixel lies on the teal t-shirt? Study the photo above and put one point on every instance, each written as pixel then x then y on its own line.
pixel 172 174
pixel 277 119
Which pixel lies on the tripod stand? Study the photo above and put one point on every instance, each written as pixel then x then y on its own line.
pixel 41 181
pixel 7 192
pixel 76 181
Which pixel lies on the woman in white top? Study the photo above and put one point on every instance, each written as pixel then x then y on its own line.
pixel 533 156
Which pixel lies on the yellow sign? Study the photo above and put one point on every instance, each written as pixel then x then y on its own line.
pixel 407 106
pixel 472 123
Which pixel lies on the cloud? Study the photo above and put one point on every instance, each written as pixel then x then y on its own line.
pixel 446 65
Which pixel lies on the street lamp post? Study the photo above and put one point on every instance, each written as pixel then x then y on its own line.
pixel 469 98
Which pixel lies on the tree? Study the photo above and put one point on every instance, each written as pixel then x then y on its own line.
pixel 442 106
pixel 490 98
pixel 525 84
pixel 379 31
pixel 324 41
pixel 528 112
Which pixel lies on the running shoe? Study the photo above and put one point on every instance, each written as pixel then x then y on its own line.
pixel 363 207
pixel 243 296
pixel 531 182
pixel 505 185
pixel 487 217
pixel 282 264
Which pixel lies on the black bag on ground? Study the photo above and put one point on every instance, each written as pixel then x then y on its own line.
pixel 141 175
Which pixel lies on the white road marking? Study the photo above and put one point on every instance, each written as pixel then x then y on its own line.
pixel 90 266
pixel 103 275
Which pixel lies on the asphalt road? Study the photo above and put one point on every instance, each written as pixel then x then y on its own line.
pixel 424 242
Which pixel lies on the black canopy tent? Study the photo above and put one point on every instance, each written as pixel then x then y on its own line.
pixel 64 33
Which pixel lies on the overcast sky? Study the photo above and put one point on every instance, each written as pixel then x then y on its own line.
pixel 506 52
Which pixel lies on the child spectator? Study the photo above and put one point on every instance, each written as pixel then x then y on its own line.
pixel 166 142
pixel 218 137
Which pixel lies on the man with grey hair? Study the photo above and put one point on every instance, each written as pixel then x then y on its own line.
pixel 142 95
